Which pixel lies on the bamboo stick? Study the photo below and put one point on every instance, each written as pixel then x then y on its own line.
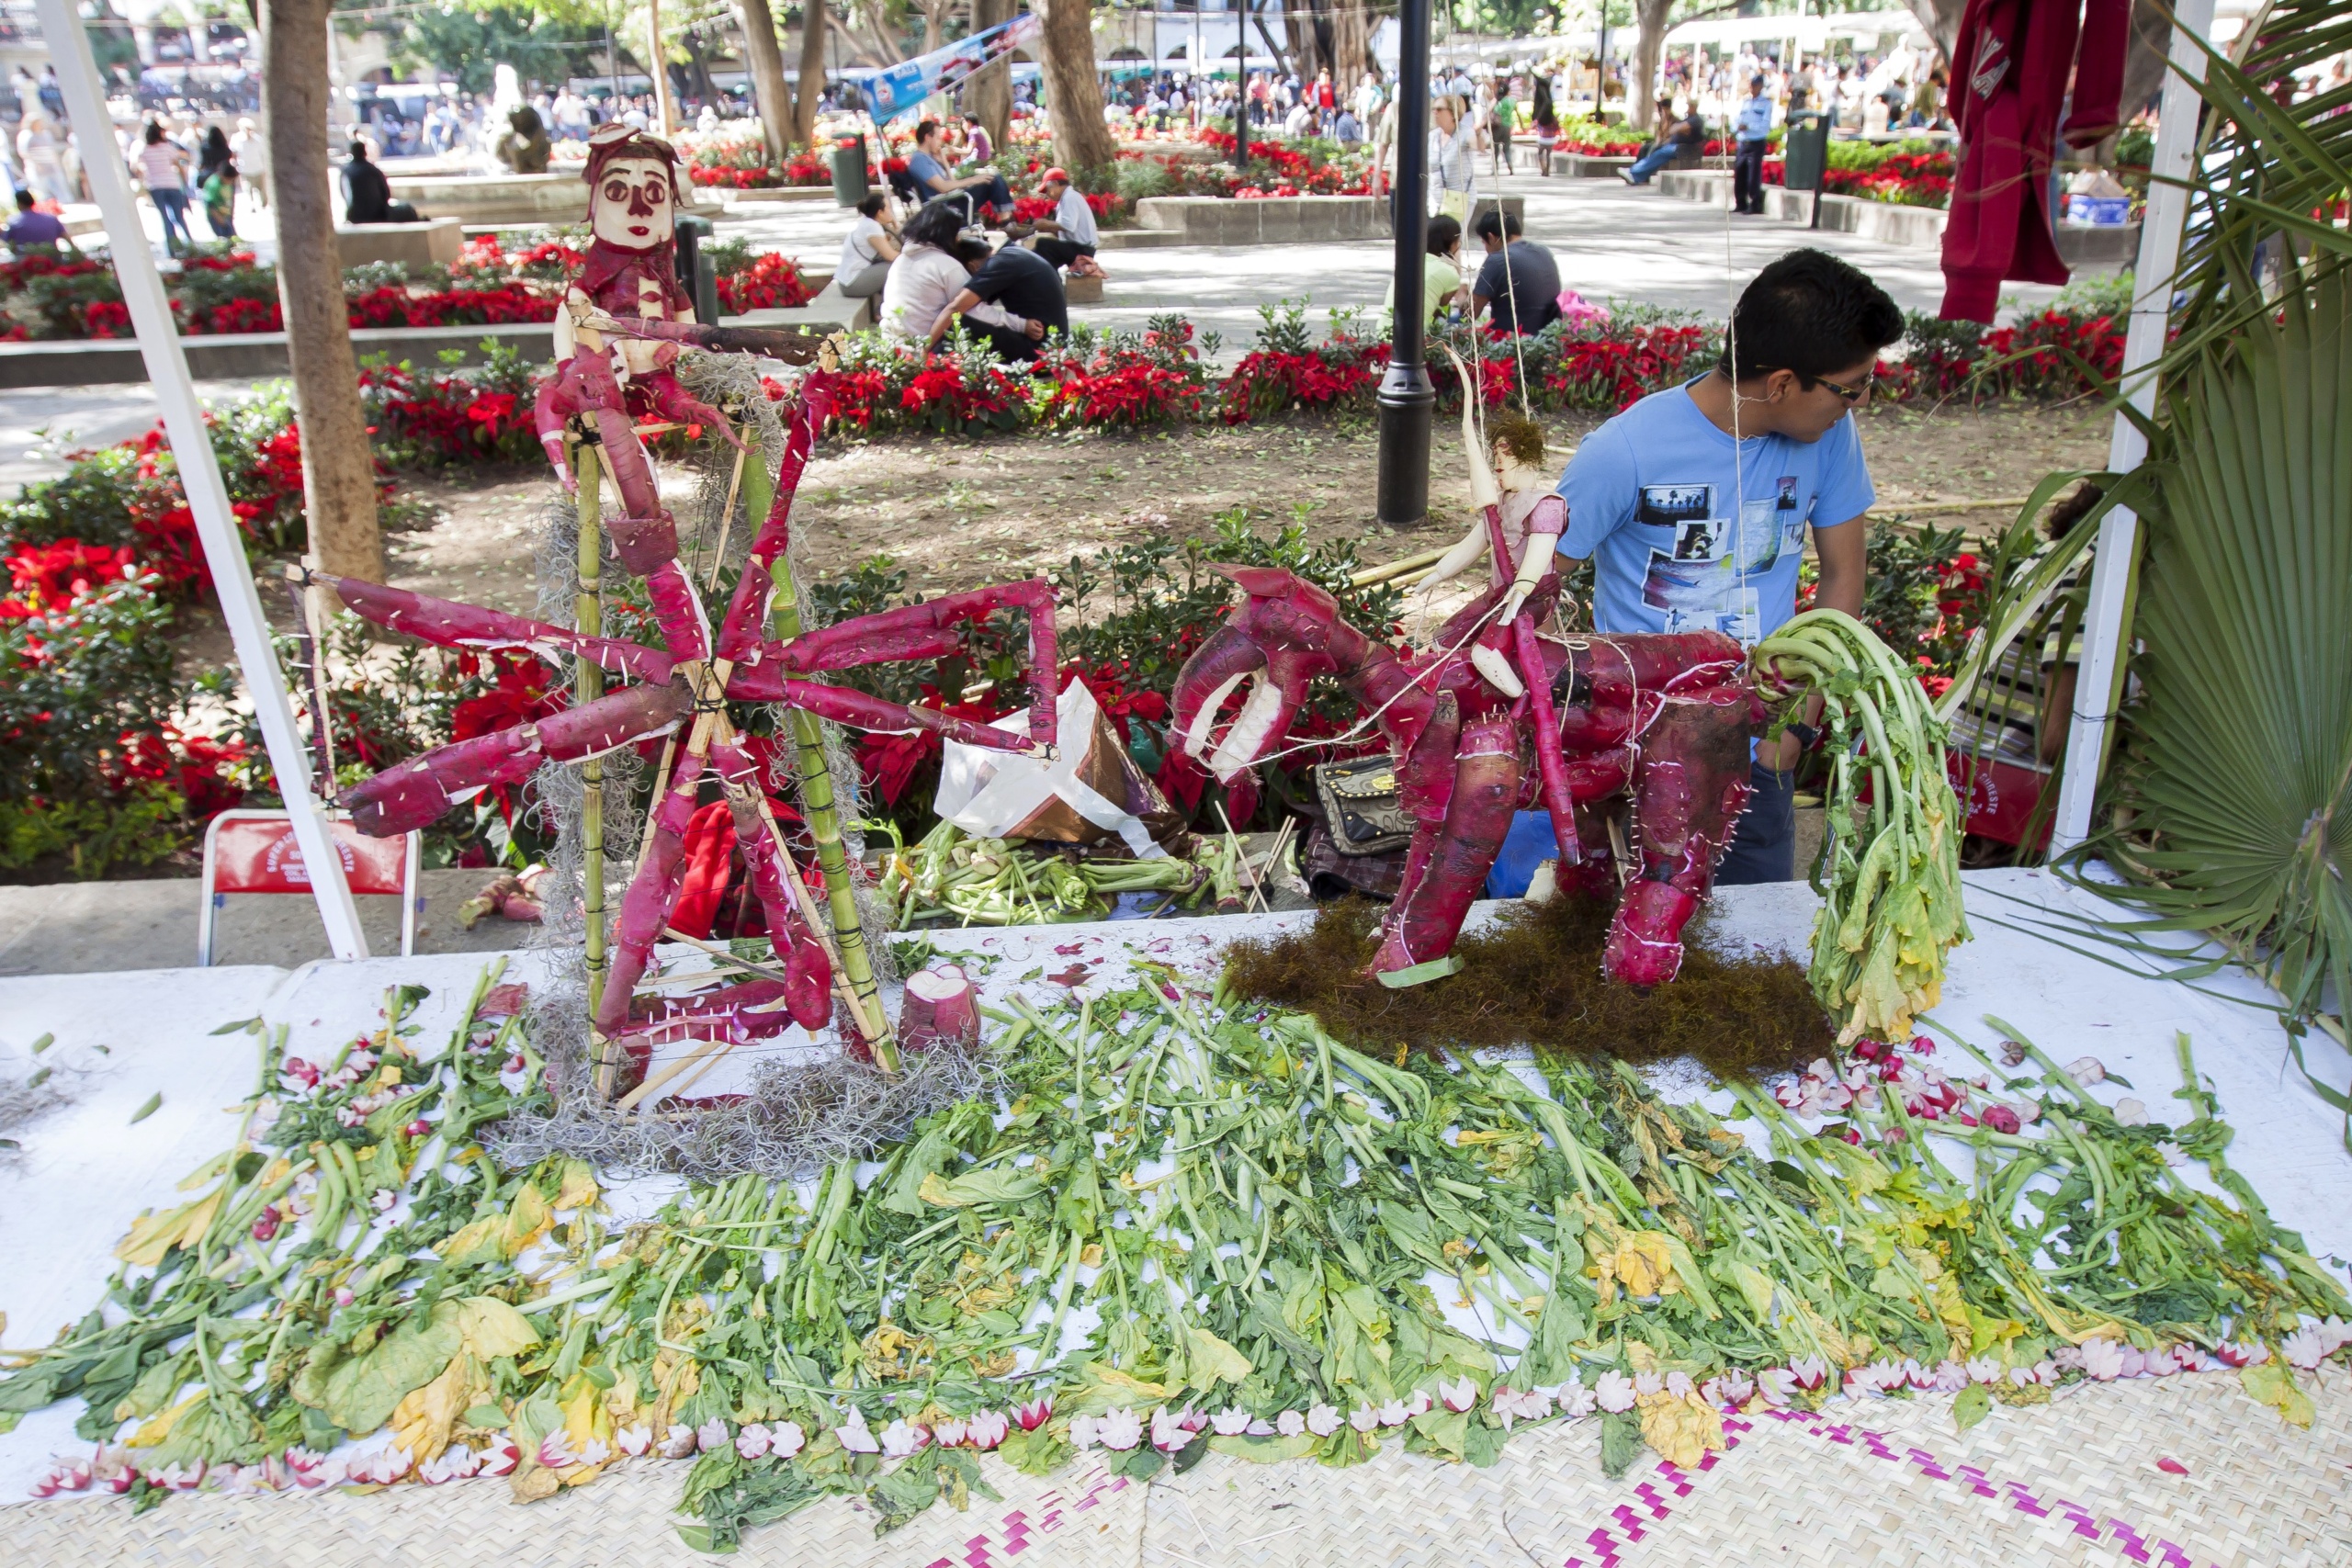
pixel 654 1082
pixel 588 684
pixel 818 802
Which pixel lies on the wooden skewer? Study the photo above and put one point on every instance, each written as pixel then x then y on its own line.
pixel 748 965
pixel 727 517
pixel 631 1101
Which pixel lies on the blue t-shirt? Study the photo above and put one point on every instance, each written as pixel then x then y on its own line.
pixel 1647 498
pixel 925 169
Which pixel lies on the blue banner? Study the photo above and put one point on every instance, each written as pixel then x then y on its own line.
pixel 901 88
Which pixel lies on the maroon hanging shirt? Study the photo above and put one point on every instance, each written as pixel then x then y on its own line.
pixel 2011 66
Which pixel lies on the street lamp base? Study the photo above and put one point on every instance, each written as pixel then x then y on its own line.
pixel 1408 404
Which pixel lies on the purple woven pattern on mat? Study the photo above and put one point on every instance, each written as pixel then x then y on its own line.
pixel 1608 1545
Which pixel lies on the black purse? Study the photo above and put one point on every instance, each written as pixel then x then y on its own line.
pixel 1362 806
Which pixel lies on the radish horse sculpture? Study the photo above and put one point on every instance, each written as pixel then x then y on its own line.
pixel 1665 717
pixel 623 327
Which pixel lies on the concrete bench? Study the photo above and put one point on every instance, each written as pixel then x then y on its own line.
pixel 831 310
pixel 435 242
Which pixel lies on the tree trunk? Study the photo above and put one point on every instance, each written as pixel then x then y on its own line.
pixel 1650 17
pixel 764 57
pixel 812 71
pixel 1351 45
pixel 1080 139
pixel 338 469
pixel 990 97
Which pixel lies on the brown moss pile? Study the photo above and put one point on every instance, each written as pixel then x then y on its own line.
pixel 1534 978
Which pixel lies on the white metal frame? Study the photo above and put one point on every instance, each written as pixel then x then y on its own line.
pixel 411 894
pixel 207 497
pixel 2098 687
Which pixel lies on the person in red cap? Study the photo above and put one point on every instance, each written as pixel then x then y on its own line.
pixel 1067 238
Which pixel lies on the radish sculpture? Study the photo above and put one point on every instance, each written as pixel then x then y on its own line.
pixel 625 324
pixel 1665 717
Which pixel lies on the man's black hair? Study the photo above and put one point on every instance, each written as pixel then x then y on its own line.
pixel 923 130
pixel 973 253
pixel 25 199
pixel 357 150
pixel 1811 313
pixel 1496 224
pixel 937 224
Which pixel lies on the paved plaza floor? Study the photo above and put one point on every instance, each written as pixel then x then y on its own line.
pixel 1611 243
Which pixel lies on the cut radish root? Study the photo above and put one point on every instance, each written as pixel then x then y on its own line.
pixel 940 1006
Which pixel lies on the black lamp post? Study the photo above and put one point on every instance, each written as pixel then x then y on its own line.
pixel 1407 400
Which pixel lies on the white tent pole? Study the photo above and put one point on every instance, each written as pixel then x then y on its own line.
pixel 2097 688
pixel 207 497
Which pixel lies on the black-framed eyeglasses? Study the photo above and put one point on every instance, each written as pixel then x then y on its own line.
pixel 1852 394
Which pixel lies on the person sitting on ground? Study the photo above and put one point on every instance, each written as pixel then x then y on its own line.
pixel 867 252
pixel 1440 271
pixel 927 273
pixel 1674 136
pixel 1014 295
pixel 1519 281
pixel 932 178
pixel 1067 238
pixel 367 194
pixel 524 149
pixel 33 229
pixel 1347 128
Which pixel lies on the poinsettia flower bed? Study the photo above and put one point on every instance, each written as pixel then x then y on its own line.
pixel 46 299
pixel 735 157
pixel 1909 174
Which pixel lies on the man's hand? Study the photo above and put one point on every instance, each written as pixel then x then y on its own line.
pixel 1036 329
pixel 1844 576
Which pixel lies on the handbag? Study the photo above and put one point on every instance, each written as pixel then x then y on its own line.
pixel 1364 806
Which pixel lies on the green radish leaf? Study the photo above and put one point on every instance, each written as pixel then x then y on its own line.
pixel 154 1103
pixel 1972 1406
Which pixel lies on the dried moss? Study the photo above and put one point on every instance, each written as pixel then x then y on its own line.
pixel 1534 978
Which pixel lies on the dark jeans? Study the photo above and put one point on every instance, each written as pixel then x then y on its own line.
pixel 994 192
pixel 1764 847
pixel 170 205
pixel 1747 178
pixel 1061 252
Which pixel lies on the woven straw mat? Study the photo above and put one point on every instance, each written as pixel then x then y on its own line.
pixel 1862 1483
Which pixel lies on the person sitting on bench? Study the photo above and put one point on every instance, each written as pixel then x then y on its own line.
pixel 367 194
pixel 1067 238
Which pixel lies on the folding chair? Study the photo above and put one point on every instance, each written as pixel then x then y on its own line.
pixel 255 852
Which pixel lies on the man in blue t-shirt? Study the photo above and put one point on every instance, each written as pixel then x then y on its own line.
pixel 932 178
pixel 1650 500
pixel 1754 130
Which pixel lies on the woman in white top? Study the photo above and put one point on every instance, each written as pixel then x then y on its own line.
pixel 1454 162
pixel 868 251
pixel 930 271
pixel 163 168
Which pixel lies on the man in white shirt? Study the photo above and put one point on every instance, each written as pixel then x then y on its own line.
pixel 1068 238
pixel 1368 99
pixel 1753 128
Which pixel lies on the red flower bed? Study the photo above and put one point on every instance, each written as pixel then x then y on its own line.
pixel 1617 371
pixel 770 282
pixel 1160 383
pixel 1268 381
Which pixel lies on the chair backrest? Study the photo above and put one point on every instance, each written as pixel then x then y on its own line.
pixel 254 851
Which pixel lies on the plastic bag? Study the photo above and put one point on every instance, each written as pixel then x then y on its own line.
pixel 1089 793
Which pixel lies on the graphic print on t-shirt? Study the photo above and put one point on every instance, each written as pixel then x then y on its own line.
pixel 1700 584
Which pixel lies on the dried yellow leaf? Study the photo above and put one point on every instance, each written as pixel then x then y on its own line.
pixel 152 1234
pixel 579 1189
pixel 1641 1262
pixel 423 1420
pixel 1683 1431
pixel 153 1431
